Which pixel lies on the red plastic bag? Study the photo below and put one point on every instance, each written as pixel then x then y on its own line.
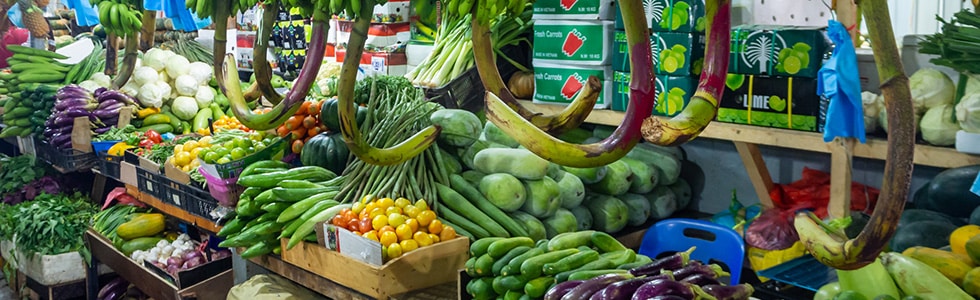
pixel 812 192
pixel 772 230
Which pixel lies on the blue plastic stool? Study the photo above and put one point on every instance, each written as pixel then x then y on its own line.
pixel 713 242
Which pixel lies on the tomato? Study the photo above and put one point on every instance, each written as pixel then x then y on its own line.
pixel 146 144
pixel 154 136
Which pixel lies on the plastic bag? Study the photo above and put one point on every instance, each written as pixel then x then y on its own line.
pixel 812 192
pixel 772 230
pixel 270 287
pixel 839 82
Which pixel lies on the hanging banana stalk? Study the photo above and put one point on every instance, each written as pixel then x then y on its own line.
pixel 642 97
pixel 831 247
pixel 111 54
pixel 703 106
pixel 148 30
pixel 129 61
pixel 345 96
pixel 260 60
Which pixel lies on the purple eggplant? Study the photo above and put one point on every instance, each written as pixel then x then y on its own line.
pixel 591 286
pixel 675 261
pixel 118 96
pixel 50 121
pixel 116 105
pixel 693 269
pixel 729 292
pixel 63 120
pixel 58 139
pixel 51 131
pixel 102 130
pixel 663 287
pixel 114 284
pixel 623 290
pixel 106 113
pixel 73 92
pixel 666 297
pixel 98 92
pixel 74 112
pixel 701 279
pixel 71 102
pixel 109 122
pixel 559 290
pixel 108 103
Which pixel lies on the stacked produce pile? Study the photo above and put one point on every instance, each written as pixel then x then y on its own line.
pixel 50 224
pixel 279 203
pixel 303 125
pixel 934 97
pixel 398 224
pixel 102 108
pixel 584 264
pixel 28 109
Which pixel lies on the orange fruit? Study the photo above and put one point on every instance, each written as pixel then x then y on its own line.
pixel 404 232
pixel 402 202
pixel 425 217
pixel 394 251
pixel 422 239
pixel 379 221
pixel 372 235
pixel 388 238
pixel 447 233
pixel 365 225
pixel 409 245
pixel 436 227
pixel 413 223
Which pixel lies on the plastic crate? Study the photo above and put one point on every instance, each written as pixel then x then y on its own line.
pixel 152 184
pixel 192 199
pixel 66 160
pixel 467 91
pixel 805 272
pixel 109 166
pixel 101 149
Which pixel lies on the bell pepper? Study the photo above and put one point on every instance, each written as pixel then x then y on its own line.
pixel 143 113
pixel 119 148
pixel 133 140
pixel 147 143
pixel 153 136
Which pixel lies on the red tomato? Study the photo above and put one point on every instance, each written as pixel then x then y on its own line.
pixel 154 136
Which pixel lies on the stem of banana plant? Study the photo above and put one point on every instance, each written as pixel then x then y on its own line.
pixel 704 104
pixel 260 61
pixel 863 249
pixel 624 138
pixel 345 96
pixel 571 117
pixel 129 61
pixel 148 30
pixel 111 54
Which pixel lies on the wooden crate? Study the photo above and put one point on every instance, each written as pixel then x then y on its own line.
pixel 419 269
pixel 151 283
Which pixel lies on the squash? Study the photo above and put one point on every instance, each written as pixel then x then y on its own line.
pixel 330 115
pixel 141 226
pixel 521 85
pixel 971 282
pixel 327 150
pixel 973 249
pixel 949 192
pixel 143 243
pixel 957 240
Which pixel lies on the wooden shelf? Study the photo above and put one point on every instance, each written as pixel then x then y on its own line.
pixel 173 211
pixel 810 141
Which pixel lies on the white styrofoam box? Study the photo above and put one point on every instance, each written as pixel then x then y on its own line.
pixel 206 38
pixel 968 142
pixel 416 53
pixel 867 70
pixel 48 269
pixel 379 36
pixel 396 11
pixel 561 83
pixel 332 32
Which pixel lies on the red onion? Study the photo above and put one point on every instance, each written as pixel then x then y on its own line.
pixel 174 261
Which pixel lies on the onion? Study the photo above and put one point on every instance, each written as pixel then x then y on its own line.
pixel 191 263
pixel 173 269
pixel 193 254
pixel 174 261
pixel 221 254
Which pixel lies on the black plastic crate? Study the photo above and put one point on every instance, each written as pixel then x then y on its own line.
pixel 192 199
pixel 109 166
pixel 152 184
pixel 467 91
pixel 65 160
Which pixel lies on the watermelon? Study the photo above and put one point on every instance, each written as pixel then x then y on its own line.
pixel 932 234
pixel 949 192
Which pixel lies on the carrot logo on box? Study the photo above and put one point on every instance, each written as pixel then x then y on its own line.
pixel 567 4
pixel 573 41
pixel 572 85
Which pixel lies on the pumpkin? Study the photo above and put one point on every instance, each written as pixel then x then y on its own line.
pixel 326 150
pixel 330 116
pixel 521 85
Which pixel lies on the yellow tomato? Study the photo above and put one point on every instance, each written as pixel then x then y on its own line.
pixel 178 148
pixel 447 233
pixel 413 223
pixel 372 235
pixel 411 211
pixel 191 145
pixel 357 207
pixel 422 239
pixel 379 221
pixel 388 238
pixel 195 151
pixel 182 158
pixel 421 204
pixel 426 217
pixel 195 162
pixel 375 212
pixel 396 219
pixel 435 227
pixel 203 142
pixel 386 203
pixel 186 169
pixel 402 202
pixel 434 238
pixel 370 206
pixel 394 251
pixel 404 232
pixel 409 245
pixel 368 199
pixel 393 210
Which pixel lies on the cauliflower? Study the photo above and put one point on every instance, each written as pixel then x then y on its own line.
pixel 144 75
pixel 184 108
pixel 150 95
pixel 204 96
pixel 177 65
pixel 201 71
pixel 186 85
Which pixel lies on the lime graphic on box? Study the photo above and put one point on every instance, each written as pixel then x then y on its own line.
pixel 699 24
pixel 776 103
pixel 672 59
pixel 675 16
pixel 792 60
pixel 734 81
pixel 674 103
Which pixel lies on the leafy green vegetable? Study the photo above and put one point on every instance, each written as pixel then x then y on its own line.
pixel 51 224
pixel 17 171
pixel 115 134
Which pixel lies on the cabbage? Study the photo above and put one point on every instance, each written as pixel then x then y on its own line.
pixel 186 85
pixel 164 77
pixel 869 101
pixel 130 89
pixel 150 95
pixel 166 92
pixel 200 71
pixel 101 79
pixel 938 127
pixel 89 85
pixel 184 108
pixel 968 112
pixel 204 96
pixel 154 58
pixel 144 75
pixel 931 88
pixel 177 65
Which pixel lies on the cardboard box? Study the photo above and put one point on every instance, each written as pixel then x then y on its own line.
pixel 673 93
pixel 127 173
pixel 235 167
pixel 47 269
pixel 796 51
pixel 572 42
pixel 574 9
pixel 670 16
pixel 682 53
pixel 393 11
pixel 380 37
pixel 560 84
pixel 386 63
pixel 767 101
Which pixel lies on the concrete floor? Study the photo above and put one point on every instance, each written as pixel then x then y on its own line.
pixel 5 292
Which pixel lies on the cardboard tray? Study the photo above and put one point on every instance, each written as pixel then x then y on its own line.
pixel 153 284
pixel 419 269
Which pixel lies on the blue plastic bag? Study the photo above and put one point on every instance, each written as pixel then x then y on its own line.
pixel 85 14
pixel 14 15
pixel 838 81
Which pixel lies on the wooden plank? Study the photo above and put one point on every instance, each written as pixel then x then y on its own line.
pixel 875 148
pixel 150 283
pixel 308 279
pixel 216 287
pixel 841 157
pixel 757 171
pixel 173 211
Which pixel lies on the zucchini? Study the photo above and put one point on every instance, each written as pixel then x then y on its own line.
pixel 269 180
pixel 293 195
pixel 534 266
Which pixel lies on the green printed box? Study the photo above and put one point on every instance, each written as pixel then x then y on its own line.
pixel 780 102
pixel 673 93
pixel 560 84
pixel 796 51
pixel 674 53
pixel 670 16
pixel 574 9
pixel 575 42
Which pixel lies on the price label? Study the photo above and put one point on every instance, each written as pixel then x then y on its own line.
pixel 378 65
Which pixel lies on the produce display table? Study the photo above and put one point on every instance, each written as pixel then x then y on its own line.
pixel 173 211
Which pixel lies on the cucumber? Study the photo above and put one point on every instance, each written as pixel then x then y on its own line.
pixel 481 246
pixel 297 208
pixel 275 207
pixel 460 211
pixel 234 226
pixel 605 261
pixel 290 228
pixel 265 197
pixel 502 262
pixel 28 51
pixel 538 286
pixel 309 224
pixel 514 265
pixel 571 262
pixel 263 164
pixel 260 248
pixel 533 267
pixel 605 242
pixel 251 192
pixel 515 294
pixel 480 288
pixel 470 192
pixel 484 265
pixel 500 248
pixel 298 184
pixel 269 180
pixel 470 267
pixel 570 240
pixel 201 119
pixel 293 195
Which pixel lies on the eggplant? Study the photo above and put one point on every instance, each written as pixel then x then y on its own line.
pixel 114 284
pixel 98 92
pixel 663 287
pixel 116 95
pixel 58 139
pixel 49 122
pixel 108 122
pixel 51 131
pixel 107 113
pixel 114 295
pixel 114 105
pixel 591 286
pixel 559 290
pixel 623 290
pixel 701 279
pixel 70 94
pixel 108 103
pixel 63 120
pixel 676 261
pixel 102 130
pixel 64 145
pixel 71 102
pixel 666 297
pixel 712 270
pixel 729 292
pixel 74 112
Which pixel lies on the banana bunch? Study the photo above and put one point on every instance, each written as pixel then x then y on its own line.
pixel 349 8
pixel 487 9
pixel 203 8
pixel 120 17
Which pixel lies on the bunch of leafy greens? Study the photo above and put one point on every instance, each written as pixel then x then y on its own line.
pixel 51 224
pixel 17 171
pixel 362 89
pixel 115 134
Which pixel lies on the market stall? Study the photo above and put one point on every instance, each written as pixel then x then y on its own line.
pixel 485 149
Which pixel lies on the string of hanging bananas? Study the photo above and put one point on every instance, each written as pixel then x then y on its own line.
pixel 487 10
pixel 120 17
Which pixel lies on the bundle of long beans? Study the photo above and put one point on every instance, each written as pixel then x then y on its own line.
pixel 958 44
pixel 395 114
